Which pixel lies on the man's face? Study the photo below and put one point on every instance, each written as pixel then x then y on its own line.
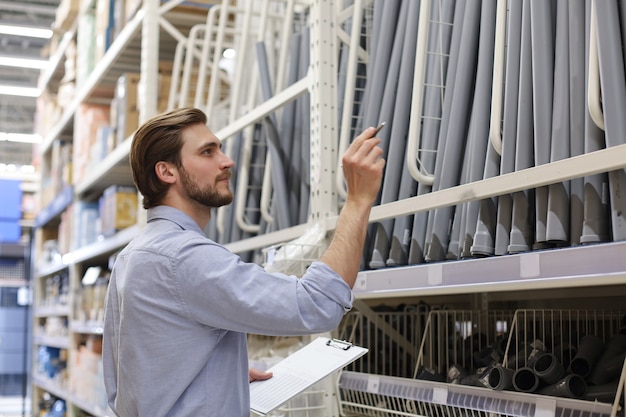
pixel 205 171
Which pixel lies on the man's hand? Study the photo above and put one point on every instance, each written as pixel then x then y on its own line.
pixel 363 167
pixel 258 375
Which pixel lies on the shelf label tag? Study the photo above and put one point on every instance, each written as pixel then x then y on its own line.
pixel 440 395
pixel 435 274
pixel 361 282
pixel 529 265
pixel 545 407
pixel 373 384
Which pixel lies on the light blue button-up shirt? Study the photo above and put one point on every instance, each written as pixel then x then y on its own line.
pixel 178 309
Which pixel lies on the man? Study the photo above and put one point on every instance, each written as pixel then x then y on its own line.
pixel 179 305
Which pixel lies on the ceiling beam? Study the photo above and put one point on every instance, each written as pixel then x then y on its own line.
pixel 28 8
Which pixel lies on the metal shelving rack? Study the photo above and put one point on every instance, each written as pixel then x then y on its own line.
pixel 486 279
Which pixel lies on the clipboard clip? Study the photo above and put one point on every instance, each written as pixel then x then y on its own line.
pixel 339 344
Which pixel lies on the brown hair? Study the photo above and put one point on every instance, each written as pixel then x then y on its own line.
pixel 159 139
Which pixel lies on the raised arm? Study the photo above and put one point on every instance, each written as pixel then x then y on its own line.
pixel 363 171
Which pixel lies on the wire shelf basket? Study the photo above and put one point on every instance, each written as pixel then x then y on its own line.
pixel 292 258
pixel 462 352
pixel 392 336
pixel 311 403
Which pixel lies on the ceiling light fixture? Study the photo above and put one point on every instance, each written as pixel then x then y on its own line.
pixel 39 64
pixel 10 90
pixel 20 137
pixel 30 32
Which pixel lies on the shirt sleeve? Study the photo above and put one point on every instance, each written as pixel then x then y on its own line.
pixel 218 289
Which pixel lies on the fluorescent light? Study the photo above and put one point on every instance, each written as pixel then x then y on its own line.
pixel 27 169
pixel 30 32
pixel 10 90
pixel 8 61
pixel 20 137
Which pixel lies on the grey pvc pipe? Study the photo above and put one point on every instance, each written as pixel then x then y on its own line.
pixel 500 378
pixel 521 215
pixel 596 210
pixel 525 380
pixel 610 364
pixel 450 159
pixel 391 180
pixel 558 210
pixel 613 86
pixel 548 368
pixel 385 17
pixel 434 130
pixel 290 136
pixel 590 349
pixel 379 62
pixel 509 124
pixel 400 238
pixel 604 393
pixel 303 129
pixel 483 242
pixel 459 215
pixel 571 386
pixel 542 38
pixel 577 68
pixel 479 132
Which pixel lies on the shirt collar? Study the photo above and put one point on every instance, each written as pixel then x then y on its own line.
pixel 174 215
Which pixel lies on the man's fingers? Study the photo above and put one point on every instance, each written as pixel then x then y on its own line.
pixel 366 150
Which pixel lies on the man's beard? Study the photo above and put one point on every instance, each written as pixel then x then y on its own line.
pixel 209 196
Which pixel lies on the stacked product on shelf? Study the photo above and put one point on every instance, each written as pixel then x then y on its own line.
pixel 88 204
pixel 577 355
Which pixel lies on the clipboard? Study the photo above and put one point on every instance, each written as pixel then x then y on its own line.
pixel 299 371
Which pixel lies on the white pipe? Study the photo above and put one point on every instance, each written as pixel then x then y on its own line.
pixel 174 82
pixel 204 57
pixel 413 142
pixel 498 78
pixel 348 99
pixel 189 64
pixel 284 43
pixel 266 191
pixel 593 84
pixel 290 93
pixel 242 50
pixel 217 53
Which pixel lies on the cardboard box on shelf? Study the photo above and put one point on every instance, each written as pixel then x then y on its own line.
pixel 105 26
pixel 126 110
pixel 85 47
pixel 118 209
pixel 165 83
pixel 86 224
pixel 88 120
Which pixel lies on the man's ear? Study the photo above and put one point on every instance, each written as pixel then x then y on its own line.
pixel 166 172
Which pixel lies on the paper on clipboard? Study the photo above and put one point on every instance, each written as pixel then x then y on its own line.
pixel 299 371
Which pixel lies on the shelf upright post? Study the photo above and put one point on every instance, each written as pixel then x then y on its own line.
pixel 149 81
pixel 148 86
pixel 324 133
pixel 323 90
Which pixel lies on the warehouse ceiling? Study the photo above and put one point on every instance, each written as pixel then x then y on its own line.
pixel 17 114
